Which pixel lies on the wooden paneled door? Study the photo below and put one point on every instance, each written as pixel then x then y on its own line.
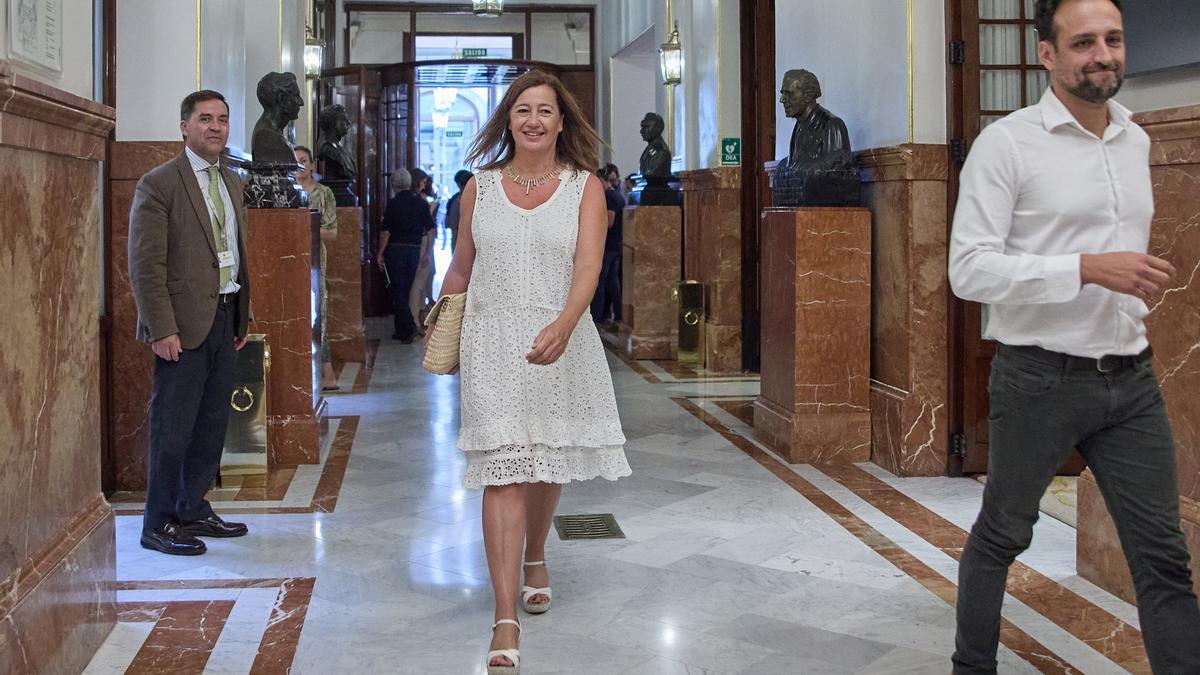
pixel 994 70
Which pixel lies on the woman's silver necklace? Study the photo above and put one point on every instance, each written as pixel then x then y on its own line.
pixel 531 183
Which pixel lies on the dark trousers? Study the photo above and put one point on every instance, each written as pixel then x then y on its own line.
pixel 402 262
pixel 608 289
pixel 189 411
pixel 1042 405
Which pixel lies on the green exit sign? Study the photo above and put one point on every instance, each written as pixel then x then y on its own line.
pixel 474 52
pixel 454 133
pixel 731 152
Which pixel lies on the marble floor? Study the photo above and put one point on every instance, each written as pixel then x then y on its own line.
pixel 733 561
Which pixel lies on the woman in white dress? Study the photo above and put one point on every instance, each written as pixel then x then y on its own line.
pixel 537 405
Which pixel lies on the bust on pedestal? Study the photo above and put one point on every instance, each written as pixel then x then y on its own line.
pixel 815 282
pixel 337 164
pixel 655 186
pixel 271 185
pixel 819 169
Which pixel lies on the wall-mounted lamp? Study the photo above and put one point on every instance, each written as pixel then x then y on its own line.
pixel 487 7
pixel 670 57
pixel 313 51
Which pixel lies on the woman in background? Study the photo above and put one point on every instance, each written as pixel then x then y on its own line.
pixel 321 200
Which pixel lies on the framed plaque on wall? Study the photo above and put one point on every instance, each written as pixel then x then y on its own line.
pixel 35 32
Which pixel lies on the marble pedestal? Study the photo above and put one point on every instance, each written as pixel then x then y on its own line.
pixel 712 243
pixel 344 274
pixel 815 280
pixel 650 270
pixel 1175 171
pixel 279 252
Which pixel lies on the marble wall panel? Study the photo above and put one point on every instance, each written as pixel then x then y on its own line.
pixel 128 162
pixel 816 301
pixel 56 554
pixel 712 214
pixel 650 270
pixel 279 253
pixel 1172 325
pixel 344 274
pixel 905 188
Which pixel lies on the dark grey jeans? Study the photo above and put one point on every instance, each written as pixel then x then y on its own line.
pixel 1042 406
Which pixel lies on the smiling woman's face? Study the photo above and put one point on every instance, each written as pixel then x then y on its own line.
pixel 535 119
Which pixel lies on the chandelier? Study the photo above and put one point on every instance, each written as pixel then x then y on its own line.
pixel 487 7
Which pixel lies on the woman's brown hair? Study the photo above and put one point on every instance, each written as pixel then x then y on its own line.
pixel 577 145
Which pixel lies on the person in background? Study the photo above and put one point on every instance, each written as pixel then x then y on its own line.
pixel 612 176
pixel 629 183
pixel 406 224
pixel 454 207
pixel 187 270
pixel 420 295
pixel 320 199
pixel 606 303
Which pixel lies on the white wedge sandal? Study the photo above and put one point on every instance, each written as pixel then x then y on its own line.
pixel 528 592
pixel 513 655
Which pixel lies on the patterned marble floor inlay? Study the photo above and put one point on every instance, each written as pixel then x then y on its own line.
pixel 302 489
pixel 205 625
pixel 733 561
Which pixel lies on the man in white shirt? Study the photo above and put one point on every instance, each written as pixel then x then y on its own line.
pixel 1051 233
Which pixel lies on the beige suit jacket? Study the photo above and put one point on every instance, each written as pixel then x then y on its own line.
pixel 173 255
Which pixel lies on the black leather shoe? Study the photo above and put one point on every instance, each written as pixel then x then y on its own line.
pixel 170 539
pixel 213 526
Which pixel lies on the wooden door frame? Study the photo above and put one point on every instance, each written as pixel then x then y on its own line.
pixel 758 146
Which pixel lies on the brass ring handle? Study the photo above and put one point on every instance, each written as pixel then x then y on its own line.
pixel 691 318
pixel 244 390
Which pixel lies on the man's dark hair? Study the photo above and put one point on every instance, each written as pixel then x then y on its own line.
pixel 611 168
pixel 462 177
pixel 304 148
pixel 1043 18
pixel 189 102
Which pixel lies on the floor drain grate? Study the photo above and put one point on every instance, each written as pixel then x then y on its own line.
pixel 588 526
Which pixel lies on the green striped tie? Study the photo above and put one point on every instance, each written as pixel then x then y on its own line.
pixel 218 222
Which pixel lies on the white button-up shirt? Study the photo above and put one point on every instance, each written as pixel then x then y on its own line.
pixel 200 168
pixel 1037 191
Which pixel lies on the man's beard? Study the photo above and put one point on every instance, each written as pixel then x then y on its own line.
pixel 1095 93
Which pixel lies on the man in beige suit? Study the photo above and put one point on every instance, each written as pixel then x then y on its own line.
pixel 188 272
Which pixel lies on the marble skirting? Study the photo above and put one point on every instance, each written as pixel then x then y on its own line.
pixel 279 254
pixel 816 301
pixel 56 536
pixel 344 276
pixel 905 189
pixel 59 606
pixel 1175 173
pixel 712 255
pixel 650 270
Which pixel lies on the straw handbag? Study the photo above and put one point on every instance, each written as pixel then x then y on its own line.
pixel 441 355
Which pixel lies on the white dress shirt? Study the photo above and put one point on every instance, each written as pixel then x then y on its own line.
pixel 200 168
pixel 1037 191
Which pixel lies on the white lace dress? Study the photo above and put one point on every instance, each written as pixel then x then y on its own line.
pixel 523 423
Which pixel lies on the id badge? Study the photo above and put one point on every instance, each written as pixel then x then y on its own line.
pixel 225 258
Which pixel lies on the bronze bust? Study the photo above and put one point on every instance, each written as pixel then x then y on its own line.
pixel 656 158
pixel 279 94
pixel 819 169
pixel 337 164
